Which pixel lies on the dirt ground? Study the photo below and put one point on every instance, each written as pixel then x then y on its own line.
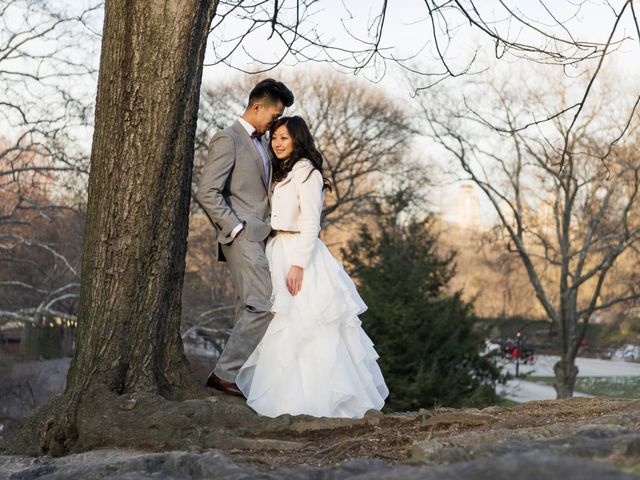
pixel 392 438
pixel 400 438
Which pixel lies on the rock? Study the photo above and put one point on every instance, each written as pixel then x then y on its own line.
pixel 434 453
pixel 587 443
pixel 633 448
pixel 520 466
pixel 459 418
pixel 360 468
pixel 592 438
pixel 243 443
pixel 304 423
pixel 121 465
pixel 126 403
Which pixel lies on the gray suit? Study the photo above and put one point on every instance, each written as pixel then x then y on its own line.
pixel 233 189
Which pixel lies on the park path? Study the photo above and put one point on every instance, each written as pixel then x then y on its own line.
pixel 520 390
pixel 525 391
pixel 587 367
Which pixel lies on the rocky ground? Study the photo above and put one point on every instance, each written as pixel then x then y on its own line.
pixel 579 438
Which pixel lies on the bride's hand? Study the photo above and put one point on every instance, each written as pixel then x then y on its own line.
pixel 294 280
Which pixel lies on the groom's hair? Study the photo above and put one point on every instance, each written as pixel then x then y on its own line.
pixel 269 91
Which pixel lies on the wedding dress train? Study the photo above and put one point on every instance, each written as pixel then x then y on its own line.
pixel 314 358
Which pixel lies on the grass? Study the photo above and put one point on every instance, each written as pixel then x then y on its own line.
pixel 625 387
pixel 506 402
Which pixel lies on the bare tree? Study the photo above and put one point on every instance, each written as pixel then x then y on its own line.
pixel 128 335
pixel 208 299
pixel 486 274
pixel 361 131
pixel 43 165
pixel 537 33
pixel 569 226
pixel 129 347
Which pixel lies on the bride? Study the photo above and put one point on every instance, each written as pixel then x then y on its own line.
pixel 314 358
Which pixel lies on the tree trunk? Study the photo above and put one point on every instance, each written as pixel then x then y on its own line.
pixel 566 372
pixel 128 339
pixel 565 369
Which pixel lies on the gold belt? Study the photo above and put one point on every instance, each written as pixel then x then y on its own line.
pixel 278 232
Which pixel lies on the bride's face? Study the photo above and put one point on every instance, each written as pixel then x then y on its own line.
pixel 282 143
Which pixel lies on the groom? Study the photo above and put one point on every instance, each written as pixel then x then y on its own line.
pixel 234 191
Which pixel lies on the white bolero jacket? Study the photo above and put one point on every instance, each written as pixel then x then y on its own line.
pixel 296 204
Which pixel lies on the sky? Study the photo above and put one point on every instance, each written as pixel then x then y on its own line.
pixel 407 31
pixel 406 34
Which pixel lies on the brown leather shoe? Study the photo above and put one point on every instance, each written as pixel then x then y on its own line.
pixel 219 384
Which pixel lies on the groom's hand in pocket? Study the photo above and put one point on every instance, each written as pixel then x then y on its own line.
pixel 294 280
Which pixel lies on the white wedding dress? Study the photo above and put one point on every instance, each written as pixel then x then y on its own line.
pixel 314 358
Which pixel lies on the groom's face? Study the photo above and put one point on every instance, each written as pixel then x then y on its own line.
pixel 267 114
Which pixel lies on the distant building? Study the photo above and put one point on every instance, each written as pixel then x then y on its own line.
pixel 467 207
pixel 546 218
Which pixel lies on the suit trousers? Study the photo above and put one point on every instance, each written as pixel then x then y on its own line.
pixel 251 280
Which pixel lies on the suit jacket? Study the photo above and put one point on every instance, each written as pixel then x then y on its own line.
pixel 296 207
pixel 233 187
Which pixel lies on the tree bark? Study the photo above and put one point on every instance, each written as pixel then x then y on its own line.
pixel 565 372
pixel 565 369
pixel 128 339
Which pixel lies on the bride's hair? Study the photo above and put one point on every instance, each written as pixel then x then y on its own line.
pixel 303 148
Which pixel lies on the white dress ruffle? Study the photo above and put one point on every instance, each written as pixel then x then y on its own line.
pixel 314 358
